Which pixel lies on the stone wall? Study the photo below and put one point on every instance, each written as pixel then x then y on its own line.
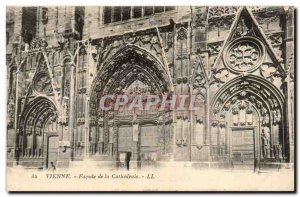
pixel 70 62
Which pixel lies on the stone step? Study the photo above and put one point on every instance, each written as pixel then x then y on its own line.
pixel 93 163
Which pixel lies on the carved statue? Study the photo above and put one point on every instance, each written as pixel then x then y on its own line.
pixel 265 120
pixel 276 116
pixel 249 112
pixel 265 139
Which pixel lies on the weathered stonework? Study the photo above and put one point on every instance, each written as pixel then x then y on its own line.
pixel 238 61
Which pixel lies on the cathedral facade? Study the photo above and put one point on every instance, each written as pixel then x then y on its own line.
pixel 237 62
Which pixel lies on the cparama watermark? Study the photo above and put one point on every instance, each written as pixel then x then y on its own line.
pixel 149 102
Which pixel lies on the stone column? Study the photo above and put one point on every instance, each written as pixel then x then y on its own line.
pixel 289 66
pixel 115 140
pixel 136 131
pixel 161 138
pixel 110 138
pixel 16 117
pixel 100 131
pixel 72 110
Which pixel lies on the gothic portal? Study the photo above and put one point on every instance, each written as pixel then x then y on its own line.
pixel 236 62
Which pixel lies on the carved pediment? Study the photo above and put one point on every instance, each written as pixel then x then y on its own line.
pixel 246 50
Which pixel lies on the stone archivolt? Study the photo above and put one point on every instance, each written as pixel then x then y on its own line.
pixel 247 97
pixel 243 89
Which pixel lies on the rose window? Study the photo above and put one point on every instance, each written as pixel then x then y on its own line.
pixel 244 54
pixel 42 83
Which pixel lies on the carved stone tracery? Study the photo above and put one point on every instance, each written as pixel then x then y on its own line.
pixel 33 123
pixel 251 101
pixel 42 83
pixel 244 54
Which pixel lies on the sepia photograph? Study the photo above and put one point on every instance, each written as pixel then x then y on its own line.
pixel 150 98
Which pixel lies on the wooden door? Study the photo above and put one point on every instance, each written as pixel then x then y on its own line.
pixel 243 146
pixel 149 145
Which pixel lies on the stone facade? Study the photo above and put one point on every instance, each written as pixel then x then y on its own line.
pixel 238 61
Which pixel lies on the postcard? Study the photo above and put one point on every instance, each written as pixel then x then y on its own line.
pixel 150 98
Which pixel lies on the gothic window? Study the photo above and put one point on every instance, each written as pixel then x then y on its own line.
pixel 44 15
pixel 148 10
pixel 79 20
pixel 137 12
pixel 29 20
pixel 115 14
pixel 158 9
pixel 126 12
pixel 107 15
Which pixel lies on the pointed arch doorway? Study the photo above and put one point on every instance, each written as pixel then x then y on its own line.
pixel 243 120
pixel 37 134
pixel 132 137
pixel 247 126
